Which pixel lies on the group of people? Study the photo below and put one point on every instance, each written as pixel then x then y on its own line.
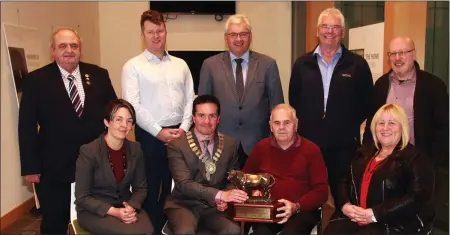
pixel 72 128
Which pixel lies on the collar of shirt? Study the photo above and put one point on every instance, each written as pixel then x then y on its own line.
pixel 409 80
pixel 337 55
pixel 201 138
pixel 245 56
pixel 296 144
pixel 76 72
pixel 150 56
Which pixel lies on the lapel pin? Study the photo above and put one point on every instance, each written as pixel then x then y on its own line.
pixel 87 79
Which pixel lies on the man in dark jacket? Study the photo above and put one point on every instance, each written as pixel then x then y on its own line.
pixel 66 99
pixel 330 89
pixel 423 96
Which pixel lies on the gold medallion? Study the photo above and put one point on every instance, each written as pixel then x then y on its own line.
pixel 210 167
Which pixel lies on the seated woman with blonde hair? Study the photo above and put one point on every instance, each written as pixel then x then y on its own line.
pixel 389 186
pixel 106 168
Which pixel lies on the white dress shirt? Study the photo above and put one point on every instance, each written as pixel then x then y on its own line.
pixel 78 83
pixel 161 91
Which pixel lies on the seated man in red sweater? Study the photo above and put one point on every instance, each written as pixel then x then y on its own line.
pixel 299 170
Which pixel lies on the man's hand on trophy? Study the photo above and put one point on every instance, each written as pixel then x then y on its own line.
pixel 222 206
pixel 234 195
pixel 288 209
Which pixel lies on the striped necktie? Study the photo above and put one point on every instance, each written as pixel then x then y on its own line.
pixel 74 96
pixel 205 150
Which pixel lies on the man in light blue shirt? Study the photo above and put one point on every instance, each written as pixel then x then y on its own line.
pixel 331 89
pixel 326 69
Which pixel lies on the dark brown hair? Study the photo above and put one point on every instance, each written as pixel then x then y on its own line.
pixel 153 16
pixel 114 105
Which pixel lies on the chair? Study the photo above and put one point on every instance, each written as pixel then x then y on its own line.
pixel 166 229
pixel 73 213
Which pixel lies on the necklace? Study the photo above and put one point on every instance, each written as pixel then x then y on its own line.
pixel 210 165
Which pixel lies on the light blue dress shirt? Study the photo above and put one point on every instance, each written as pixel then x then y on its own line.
pixel 245 57
pixel 327 71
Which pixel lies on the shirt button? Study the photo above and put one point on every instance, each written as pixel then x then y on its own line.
pixel 240 107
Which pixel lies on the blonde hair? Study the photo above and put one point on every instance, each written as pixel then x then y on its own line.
pixel 399 115
pixel 331 12
pixel 237 19
pixel 286 107
pixel 52 38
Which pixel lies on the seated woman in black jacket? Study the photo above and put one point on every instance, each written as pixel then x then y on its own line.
pixel 389 186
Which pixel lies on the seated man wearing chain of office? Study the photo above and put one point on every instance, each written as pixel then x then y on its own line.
pixel 199 161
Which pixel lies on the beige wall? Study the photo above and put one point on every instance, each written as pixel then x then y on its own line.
pixel 45 16
pixel 405 19
pixel 271 34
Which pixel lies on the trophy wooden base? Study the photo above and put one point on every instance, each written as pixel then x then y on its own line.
pixel 254 212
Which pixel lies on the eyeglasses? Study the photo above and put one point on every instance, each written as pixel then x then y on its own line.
pixel 73 46
pixel 399 53
pixel 332 27
pixel 243 35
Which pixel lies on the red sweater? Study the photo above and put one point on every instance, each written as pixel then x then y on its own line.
pixel 300 172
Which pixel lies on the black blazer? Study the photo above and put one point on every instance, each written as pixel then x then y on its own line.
pixel 401 188
pixel 53 149
pixel 430 113
pixel 349 96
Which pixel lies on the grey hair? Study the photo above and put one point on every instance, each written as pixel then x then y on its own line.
pixel 52 38
pixel 286 107
pixel 331 12
pixel 237 19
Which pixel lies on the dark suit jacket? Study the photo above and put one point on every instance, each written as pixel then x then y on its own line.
pixel 349 96
pixel 191 187
pixel 53 149
pixel 430 113
pixel 96 188
pixel 246 120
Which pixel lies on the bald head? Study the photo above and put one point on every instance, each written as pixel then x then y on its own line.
pixel 402 55
pixel 406 41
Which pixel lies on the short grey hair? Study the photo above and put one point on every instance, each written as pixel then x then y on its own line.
pixel 237 19
pixel 286 107
pixel 52 38
pixel 331 12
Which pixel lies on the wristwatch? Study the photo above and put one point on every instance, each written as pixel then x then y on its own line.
pixel 297 208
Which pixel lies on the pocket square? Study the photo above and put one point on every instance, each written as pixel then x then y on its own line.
pixel 346 75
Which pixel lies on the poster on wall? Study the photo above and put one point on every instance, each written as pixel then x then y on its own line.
pixel 24 53
pixel 368 41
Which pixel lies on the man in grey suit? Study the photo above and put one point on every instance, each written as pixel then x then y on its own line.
pixel 246 83
pixel 199 161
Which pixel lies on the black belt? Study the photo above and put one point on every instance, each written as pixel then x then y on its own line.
pixel 174 126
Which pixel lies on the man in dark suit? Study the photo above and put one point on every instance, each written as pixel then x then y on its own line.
pixel 199 162
pixel 330 88
pixel 66 99
pixel 247 84
pixel 422 95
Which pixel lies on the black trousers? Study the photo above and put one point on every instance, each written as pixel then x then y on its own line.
pixel 159 179
pixel 337 161
pixel 299 224
pixel 54 198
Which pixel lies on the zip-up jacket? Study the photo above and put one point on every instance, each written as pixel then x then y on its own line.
pixel 400 191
